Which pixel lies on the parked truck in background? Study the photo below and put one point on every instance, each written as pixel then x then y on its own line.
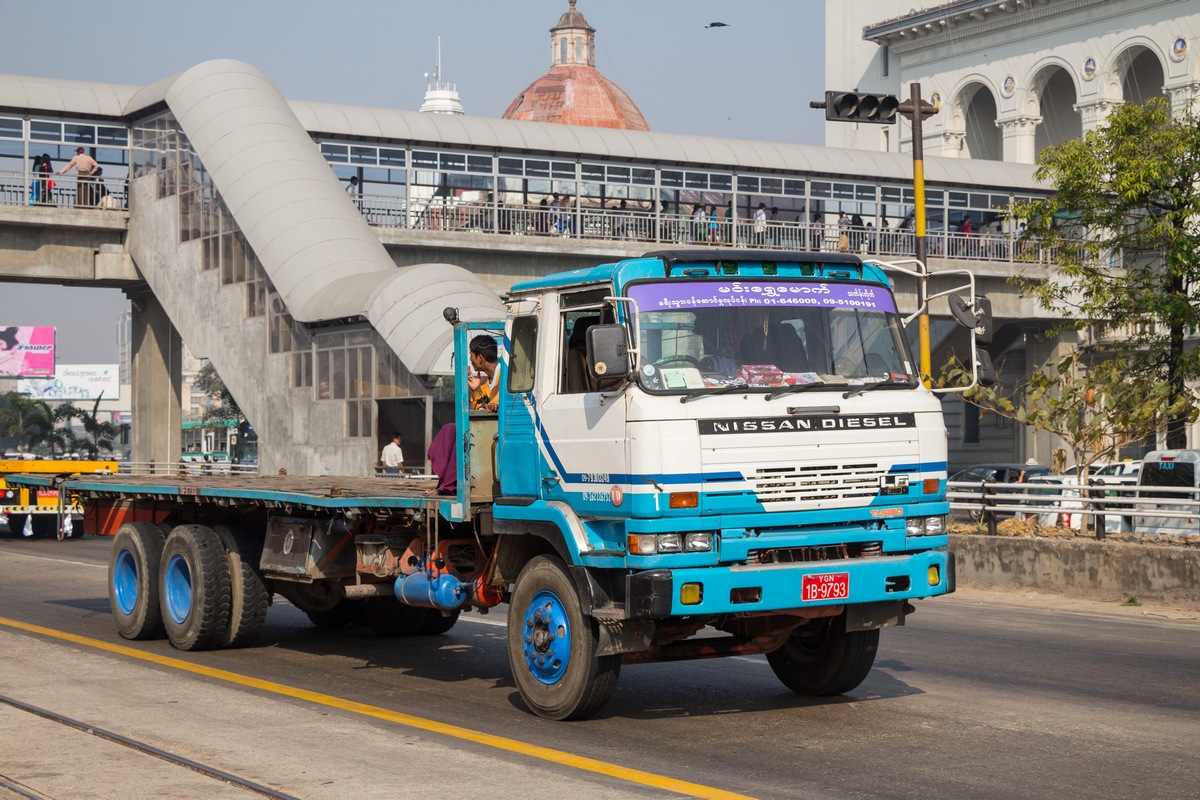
pixel 36 512
pixel 695 454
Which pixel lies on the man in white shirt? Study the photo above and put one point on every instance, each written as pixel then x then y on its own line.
pixel 392 457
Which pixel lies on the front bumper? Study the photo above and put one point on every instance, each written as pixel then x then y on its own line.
pixel 778 587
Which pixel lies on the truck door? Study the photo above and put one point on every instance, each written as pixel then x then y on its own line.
pixel 583 431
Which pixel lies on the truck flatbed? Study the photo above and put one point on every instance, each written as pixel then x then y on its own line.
pixel 329 492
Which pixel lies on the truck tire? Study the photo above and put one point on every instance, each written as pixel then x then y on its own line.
pixel 133 567
pixel 438 622
pixel 194 587
pixel 821 659
pixel 387 616
pixel 344 612
pixel 552 645
pixel 248 596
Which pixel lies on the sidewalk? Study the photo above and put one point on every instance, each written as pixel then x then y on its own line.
pixel 298 748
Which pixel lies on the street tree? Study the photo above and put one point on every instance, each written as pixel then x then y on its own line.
pixel 1095 406
pixel 1124 227
pixel 26 423
pixel 223 408
pixel 96 435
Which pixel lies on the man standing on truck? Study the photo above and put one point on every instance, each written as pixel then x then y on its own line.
pixel 483 358
pixel 392 457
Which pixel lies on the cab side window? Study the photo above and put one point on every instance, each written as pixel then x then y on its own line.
pixel 522 361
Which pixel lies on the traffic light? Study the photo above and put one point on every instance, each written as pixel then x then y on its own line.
pixel 878 109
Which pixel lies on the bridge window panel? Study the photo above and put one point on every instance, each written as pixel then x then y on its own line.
pixel 112 137
pixel 592 172
pixel 425 159
pixel 79 134
pixel 511 166
pixel 793 188
pixel 353 384
pixel 364 155
pixel 480 165
pixel 642 177
pixel 821 189
pixel 390 157
pixel 12 128
pixel 843 191
pixel 279 337
pixel 302 370
pixel 453 162
pixel 537 169
pixel 358 418
pixel 672 178
pixel 45 131
pixel 720 183
pixel 695 180
pixel 324 388
pixel 619 174
pixel 771 186
pixel 562 169
pixel 865 192
pixel 256 297
pixel 335 153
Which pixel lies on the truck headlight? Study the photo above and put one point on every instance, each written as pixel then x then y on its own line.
pixel 925 526
pixel 698 542
pixel 670 543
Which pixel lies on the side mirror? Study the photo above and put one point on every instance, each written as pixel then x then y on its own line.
pixel 977 317
pixel 983 368
pixel 607 352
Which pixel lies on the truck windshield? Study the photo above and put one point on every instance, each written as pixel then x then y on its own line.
pixel 768 333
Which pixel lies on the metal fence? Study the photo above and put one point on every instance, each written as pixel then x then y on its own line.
pixel 64 191
pixel 581 221
pixel 1108 507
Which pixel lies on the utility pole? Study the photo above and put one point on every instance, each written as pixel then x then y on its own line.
pixel 915 110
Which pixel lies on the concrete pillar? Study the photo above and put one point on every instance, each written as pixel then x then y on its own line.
pixel 157 381
pixel 1093 115
pixel 1181 95
pixel 1020 138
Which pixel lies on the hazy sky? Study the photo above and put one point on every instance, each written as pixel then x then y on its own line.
pixel 750 80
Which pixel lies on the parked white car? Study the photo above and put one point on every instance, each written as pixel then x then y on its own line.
pixel 1058 504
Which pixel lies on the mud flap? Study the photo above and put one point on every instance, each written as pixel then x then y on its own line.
pixel 869 616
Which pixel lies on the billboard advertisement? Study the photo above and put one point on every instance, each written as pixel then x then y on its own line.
pixel 26 352
pixel 75 382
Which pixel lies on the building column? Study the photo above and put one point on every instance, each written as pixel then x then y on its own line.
pixel 156 375
pixel 953 144
pixel 1093 115
pixel 1181 95
pixel 1020 138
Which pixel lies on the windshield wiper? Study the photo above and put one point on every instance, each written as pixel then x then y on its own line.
pixel 731 387
pixel 799 387
pixel 870 387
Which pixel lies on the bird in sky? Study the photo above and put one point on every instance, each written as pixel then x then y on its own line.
pixel 717 25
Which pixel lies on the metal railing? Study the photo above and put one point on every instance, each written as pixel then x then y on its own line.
pixel 1110 507
pixel 64 191
pixel 170 469
pixel 448 215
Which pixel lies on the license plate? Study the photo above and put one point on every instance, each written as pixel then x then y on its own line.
pixel 826 586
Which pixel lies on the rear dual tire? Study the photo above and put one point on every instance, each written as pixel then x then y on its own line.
pixel 133 575
pixel 195 588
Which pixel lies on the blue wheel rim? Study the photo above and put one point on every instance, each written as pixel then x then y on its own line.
pixel 178 588
pixel 547 638
pixel 125 582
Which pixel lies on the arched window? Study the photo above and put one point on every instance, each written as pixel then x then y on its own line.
pixel 579 51
pixel 562 50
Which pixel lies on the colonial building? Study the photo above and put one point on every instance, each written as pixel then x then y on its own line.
pixel 574 92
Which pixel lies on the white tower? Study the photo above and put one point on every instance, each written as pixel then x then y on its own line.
pixel 440 98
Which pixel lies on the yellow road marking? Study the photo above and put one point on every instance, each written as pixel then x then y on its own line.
pixel 551 755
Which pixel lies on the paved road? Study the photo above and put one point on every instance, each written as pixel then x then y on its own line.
pixel 971 699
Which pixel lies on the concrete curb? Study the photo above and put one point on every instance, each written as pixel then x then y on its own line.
pixel 1102 571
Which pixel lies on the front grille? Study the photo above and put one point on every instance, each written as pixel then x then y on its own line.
pixel 787 484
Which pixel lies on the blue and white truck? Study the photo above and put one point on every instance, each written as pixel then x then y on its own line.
pixel 695 454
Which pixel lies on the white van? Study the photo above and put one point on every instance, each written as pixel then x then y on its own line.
pixel 1164 504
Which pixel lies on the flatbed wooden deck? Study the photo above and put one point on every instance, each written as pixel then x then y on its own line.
pixel 327 492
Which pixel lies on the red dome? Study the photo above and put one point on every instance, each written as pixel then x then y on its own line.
pixel 576 94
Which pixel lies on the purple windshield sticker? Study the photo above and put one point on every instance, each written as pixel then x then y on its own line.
pixel 759 294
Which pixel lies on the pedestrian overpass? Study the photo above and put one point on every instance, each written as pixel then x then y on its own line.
pixel 232 229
